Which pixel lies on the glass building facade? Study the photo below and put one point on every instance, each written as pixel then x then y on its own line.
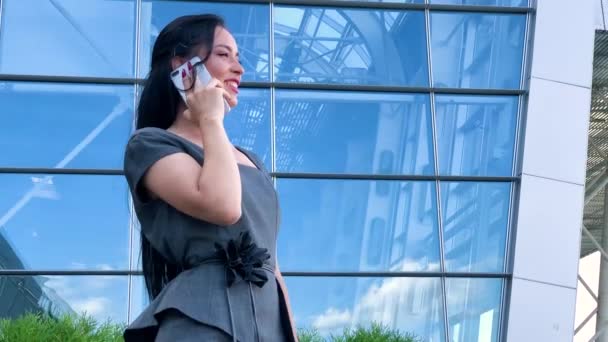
pixel 391 129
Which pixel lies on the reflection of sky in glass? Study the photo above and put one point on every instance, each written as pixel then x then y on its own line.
pixel 352 225
pixel 476 134
pixel 353 132
pixel 66 221
pixel 394 1
pixel 68 37
pixel 353 46
pixel 474 309
pixel 139 297
pixel 102 297
pixel 475 223
pixel 517 3
pixel 81 222
pixel 475 50
pixel 64 125
pixel 247 22
pixel 248 124
pixel 412 305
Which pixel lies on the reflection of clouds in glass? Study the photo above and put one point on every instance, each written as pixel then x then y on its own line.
pixel 95 306
pixel 44 188
pixel 332 320
pixel 415 305
pixel 96 296
pixel 474 308
pixel 409 304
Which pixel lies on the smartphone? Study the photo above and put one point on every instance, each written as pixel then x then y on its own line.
pixel 188 70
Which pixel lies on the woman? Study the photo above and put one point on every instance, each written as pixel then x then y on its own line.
pixel 208 210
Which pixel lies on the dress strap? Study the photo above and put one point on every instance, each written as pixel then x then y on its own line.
pixel 253 158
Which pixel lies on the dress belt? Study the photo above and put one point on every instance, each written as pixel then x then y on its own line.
pixel 243 261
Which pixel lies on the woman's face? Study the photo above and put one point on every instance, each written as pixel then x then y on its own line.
pixel 223 63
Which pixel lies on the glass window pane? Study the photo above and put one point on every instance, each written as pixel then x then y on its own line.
pixel 393 1
pixel 508 3
pixel 64 222
pixel 68 37
pixel 329 305
pixel 64 125
pixel 248 23
pixel 350 46
pixel 477 50
pixel 248 124
pixel 139 297
pixel 101 297
pixel 475 222
pixel 476 134
pixel 353 132
pixel 352 225
pixel 474 309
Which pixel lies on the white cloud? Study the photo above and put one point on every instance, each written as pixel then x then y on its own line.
pixel 93 306
pixel 61 285
pixel 332 319
pixel 85 294
pixel 404 303
pixel 105 267
pixel 44 188
pixel 386 301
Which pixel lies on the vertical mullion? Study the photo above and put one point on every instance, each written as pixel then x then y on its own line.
pixel 138 5
pixel 1 12
pixel 1 16
pixel 273 149
pixel 427 20
pixel 516 168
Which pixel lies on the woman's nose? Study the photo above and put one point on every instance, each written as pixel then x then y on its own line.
pixel 238 68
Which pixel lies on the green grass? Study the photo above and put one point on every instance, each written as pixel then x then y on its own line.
pixel 374 333
pixel 40 327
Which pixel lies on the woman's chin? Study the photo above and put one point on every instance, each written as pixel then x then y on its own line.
pixel 233 103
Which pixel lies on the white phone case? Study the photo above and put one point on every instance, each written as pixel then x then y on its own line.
pixel 202 78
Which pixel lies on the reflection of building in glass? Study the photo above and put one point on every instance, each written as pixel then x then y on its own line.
pixel 405 136
pixel 23 294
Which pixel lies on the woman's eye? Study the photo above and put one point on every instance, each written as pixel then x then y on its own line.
pixel 223 54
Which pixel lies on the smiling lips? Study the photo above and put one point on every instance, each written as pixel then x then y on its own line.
pixel 232 84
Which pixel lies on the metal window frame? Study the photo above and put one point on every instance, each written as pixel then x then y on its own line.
pixel 385 5
pixel 280 175
pixel 443 281
pixel 526 70
pixel 353 274
pixel 529 11
pixel 273 85
pixel 132 216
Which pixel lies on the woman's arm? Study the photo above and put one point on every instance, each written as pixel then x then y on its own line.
pixel 211 192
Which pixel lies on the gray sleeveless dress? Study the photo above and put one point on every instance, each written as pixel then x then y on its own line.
pixel 227 291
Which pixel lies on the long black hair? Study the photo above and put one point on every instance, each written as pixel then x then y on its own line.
pixel 158 106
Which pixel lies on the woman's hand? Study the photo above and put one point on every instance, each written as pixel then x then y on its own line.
pixel 206 103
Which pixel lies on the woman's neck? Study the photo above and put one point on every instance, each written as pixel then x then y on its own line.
pixel 186 129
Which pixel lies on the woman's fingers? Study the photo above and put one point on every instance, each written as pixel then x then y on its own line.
pixel 187 77
pixel 229 97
